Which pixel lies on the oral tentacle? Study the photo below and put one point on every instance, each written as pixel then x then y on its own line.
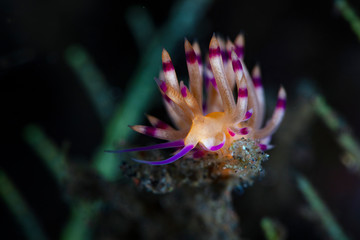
pixel 174 144
pixel 172 159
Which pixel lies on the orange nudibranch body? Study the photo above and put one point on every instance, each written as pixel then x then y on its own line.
pixel 212 124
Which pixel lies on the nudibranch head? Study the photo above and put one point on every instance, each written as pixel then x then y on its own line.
pixel 214 123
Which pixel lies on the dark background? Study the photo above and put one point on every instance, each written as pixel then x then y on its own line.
pixel 293 40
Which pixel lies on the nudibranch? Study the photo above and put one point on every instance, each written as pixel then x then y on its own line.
pixel 211 125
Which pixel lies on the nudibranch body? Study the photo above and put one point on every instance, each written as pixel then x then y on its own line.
pixel 212 125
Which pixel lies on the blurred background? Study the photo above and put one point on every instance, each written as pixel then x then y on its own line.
pixel 75 74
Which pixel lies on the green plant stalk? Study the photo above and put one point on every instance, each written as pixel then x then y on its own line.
pixel 135 102
pixel 46 150
pixel 141 87
pixel 269 229
pixel 349 14
pixel 92 79
pixel 344 137
pixel 328 221
pixel 141 25
pixel 77 226
pixel 19 208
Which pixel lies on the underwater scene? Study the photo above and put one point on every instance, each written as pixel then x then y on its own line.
pixel 186 119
